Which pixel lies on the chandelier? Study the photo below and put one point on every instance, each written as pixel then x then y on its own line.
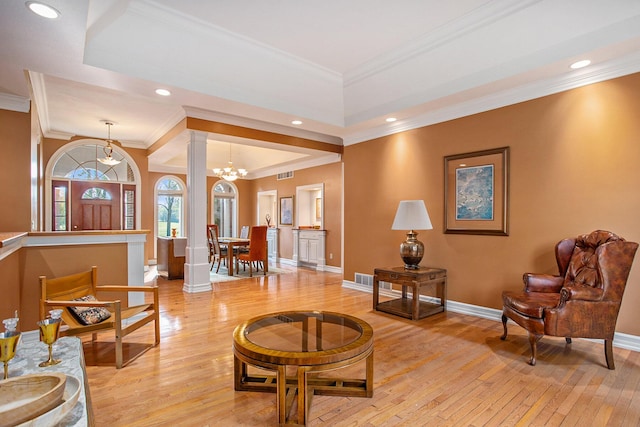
pixel 229 173
pixel 108 150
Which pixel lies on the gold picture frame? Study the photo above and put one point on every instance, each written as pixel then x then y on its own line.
pixel 286 210
pixel 476 188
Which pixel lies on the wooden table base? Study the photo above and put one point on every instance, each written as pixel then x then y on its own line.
pixel 297 392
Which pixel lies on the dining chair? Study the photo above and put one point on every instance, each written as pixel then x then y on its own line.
pixel 219 253
pixel 257 249
pixel 244 234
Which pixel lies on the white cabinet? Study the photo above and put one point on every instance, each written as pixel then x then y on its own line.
pixel 308 247
pixel 272 244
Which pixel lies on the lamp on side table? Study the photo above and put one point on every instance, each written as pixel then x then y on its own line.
pixel 412 215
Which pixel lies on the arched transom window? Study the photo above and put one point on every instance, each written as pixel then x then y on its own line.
pixel 89 195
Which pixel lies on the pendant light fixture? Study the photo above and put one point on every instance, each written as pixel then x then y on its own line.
pixel 229 173
pixel 108 160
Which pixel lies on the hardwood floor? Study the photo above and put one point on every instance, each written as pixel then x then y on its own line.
pixel 449 369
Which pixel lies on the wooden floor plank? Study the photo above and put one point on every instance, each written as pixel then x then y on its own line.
pixel 448 369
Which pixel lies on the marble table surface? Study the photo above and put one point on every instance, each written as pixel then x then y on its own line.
pixel 31 352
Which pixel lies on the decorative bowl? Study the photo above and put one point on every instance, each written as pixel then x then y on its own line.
pixel 59 414
pixel 26 397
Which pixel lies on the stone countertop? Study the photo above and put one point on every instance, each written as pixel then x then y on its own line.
pixel 31 352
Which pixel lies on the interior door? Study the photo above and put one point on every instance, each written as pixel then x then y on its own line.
pixel 95 206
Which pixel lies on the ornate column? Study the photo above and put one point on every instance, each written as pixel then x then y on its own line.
pixel 196 267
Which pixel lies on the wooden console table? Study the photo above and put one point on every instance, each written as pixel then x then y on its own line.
pixel 411 308
pixel 171 256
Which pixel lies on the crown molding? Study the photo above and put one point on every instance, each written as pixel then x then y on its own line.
pixel 14 103
pixel 39 93
pixel 597 73
pixel 164 128
pixel 296 165
pixel 489 13
pixel 149 9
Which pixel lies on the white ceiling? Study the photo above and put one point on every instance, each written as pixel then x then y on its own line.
pixel 340 66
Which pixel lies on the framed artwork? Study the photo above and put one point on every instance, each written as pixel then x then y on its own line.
pixel 318 209
pixel 286 210
pixel 476 192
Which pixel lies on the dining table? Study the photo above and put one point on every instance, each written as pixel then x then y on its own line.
pixel 234 242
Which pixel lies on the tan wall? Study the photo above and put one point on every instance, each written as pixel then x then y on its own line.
pixel 246 202
pixel 573 170
pixel 331 176
pixel 10 285
pixel 15 168
pixel 20 288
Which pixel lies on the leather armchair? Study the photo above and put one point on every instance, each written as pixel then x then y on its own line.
pixel 583 300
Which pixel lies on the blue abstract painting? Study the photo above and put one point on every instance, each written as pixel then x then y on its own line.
pixel 474 193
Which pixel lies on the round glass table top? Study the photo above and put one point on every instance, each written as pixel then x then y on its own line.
pixel 302 336
pixel 303 331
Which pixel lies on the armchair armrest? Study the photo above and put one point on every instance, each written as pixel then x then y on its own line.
pixel 542 283
pixel 125 288
pixel 583 293
pixel 61 303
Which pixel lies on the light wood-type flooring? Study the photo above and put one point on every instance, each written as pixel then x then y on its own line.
pixel 445 370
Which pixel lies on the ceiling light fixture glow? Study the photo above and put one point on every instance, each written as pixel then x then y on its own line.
pixel 580 64
pixel 229 173
pixel 296 122
pixel 108 160
pixel 163 92
pixel 390 119
pixel 43 10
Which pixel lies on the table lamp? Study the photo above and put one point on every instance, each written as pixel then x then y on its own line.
pixel 411 215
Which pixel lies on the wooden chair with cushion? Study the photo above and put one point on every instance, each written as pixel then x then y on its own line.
pixel 218 253
pixel 244 234
pixel 257 248
pixel 583 300
pixel 83 312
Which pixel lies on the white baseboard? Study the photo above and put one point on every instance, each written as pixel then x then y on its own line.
pixel 328 268
pixel 626 341
pixel 287 261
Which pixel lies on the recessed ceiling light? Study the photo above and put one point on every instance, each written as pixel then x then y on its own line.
pixel 580 64
pixel 42 9
pixel 163 92
pixel 296 122
pixel 390 119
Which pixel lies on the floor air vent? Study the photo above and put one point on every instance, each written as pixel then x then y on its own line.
pixel 364 279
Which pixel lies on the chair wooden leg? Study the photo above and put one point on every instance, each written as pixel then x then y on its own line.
pixel 504 326
pixel 156 309
pixel 608 353
pixel 118 326
pixel 533 342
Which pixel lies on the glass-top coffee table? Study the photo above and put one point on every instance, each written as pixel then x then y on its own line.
pixel 310 341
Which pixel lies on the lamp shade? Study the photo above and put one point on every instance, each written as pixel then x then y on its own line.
pixel 412 215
